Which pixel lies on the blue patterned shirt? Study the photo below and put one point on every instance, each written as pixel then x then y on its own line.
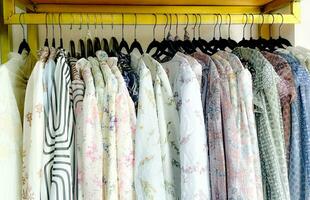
pixel 299 166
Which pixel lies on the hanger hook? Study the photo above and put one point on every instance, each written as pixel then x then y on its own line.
pixel 165 25
pixel 280 27
pixel 177 24
pixel 87 22
pixel 229 25
pixel 135 26
pixel 46 28
pixel 53 25
pixel 95 17
pixel 155 24
pixel 72 21
pixel 122 25
pixel 199 25
pixel 170 19
pixel 251 33
pixel 220 25
pixel 215 25
pixel 81 21
pixel 112 17
pixel 22 25
pixel 246 21
pixel 60 30
pixel 187 19
pixel 194 28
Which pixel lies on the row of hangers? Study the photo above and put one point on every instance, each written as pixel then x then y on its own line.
pixel 168 46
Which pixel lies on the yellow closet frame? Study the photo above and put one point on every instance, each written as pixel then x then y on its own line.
pixel 39 14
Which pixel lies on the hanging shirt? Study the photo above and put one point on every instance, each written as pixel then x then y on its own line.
pixel 268 120
pixel 110 182
pixel 11 133
pixel 125 117
pixel 149 175
pixel 48 87
pixel 78 90
pixel 32 169
pixel 89 143
pixel 195 65
pixel 193 141
pixel 299 167
pixel 287 93
pixel 168 121
pixel 248 170
pixel 217 168
pixel 59 139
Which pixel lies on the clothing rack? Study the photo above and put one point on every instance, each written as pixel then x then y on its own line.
pixel 102 12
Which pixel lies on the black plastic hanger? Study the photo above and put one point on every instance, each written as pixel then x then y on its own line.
pixel 251 41
pixel 72 45
pixel 231 43
pixel 104 41
pixel 113 44
pixel 89 42
pixel 222 42
pixel 53 39
pixel 211 45
pixel 244 42
pixel 60 33
pixel 154 43
pixel 96 41
pixel 272 43
pixel 202 44
pixel 165 46
pixel 187 45
pixel 81 42
pixel 282 41
pixel 46 32
pixel 195 41
pixel 261 42
pixel 136 44
pixel 123 43
pixel 23 45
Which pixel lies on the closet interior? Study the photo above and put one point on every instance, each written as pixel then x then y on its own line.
pixel 182 118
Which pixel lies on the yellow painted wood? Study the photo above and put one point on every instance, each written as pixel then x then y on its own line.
pixel 156 2
pixel 56 8
pixel 33 35
pixel 8 9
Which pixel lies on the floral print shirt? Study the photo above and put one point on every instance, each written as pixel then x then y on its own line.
pixel 193 140
pixel 169 125
pixel 34 122
pixel 213 115
pixel 299 167
pixel 269 123
pixel 89 141
pixel 125 118
pixel 110 182
pixel 246 163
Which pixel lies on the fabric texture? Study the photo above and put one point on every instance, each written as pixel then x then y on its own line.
pixel 32 168
pixel 193 140
pixel 149 175
pixel 287 93
pixel 169 125
pixel 299 167
pixel 269 123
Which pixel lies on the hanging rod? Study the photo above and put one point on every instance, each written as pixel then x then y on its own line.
pixel 144 18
